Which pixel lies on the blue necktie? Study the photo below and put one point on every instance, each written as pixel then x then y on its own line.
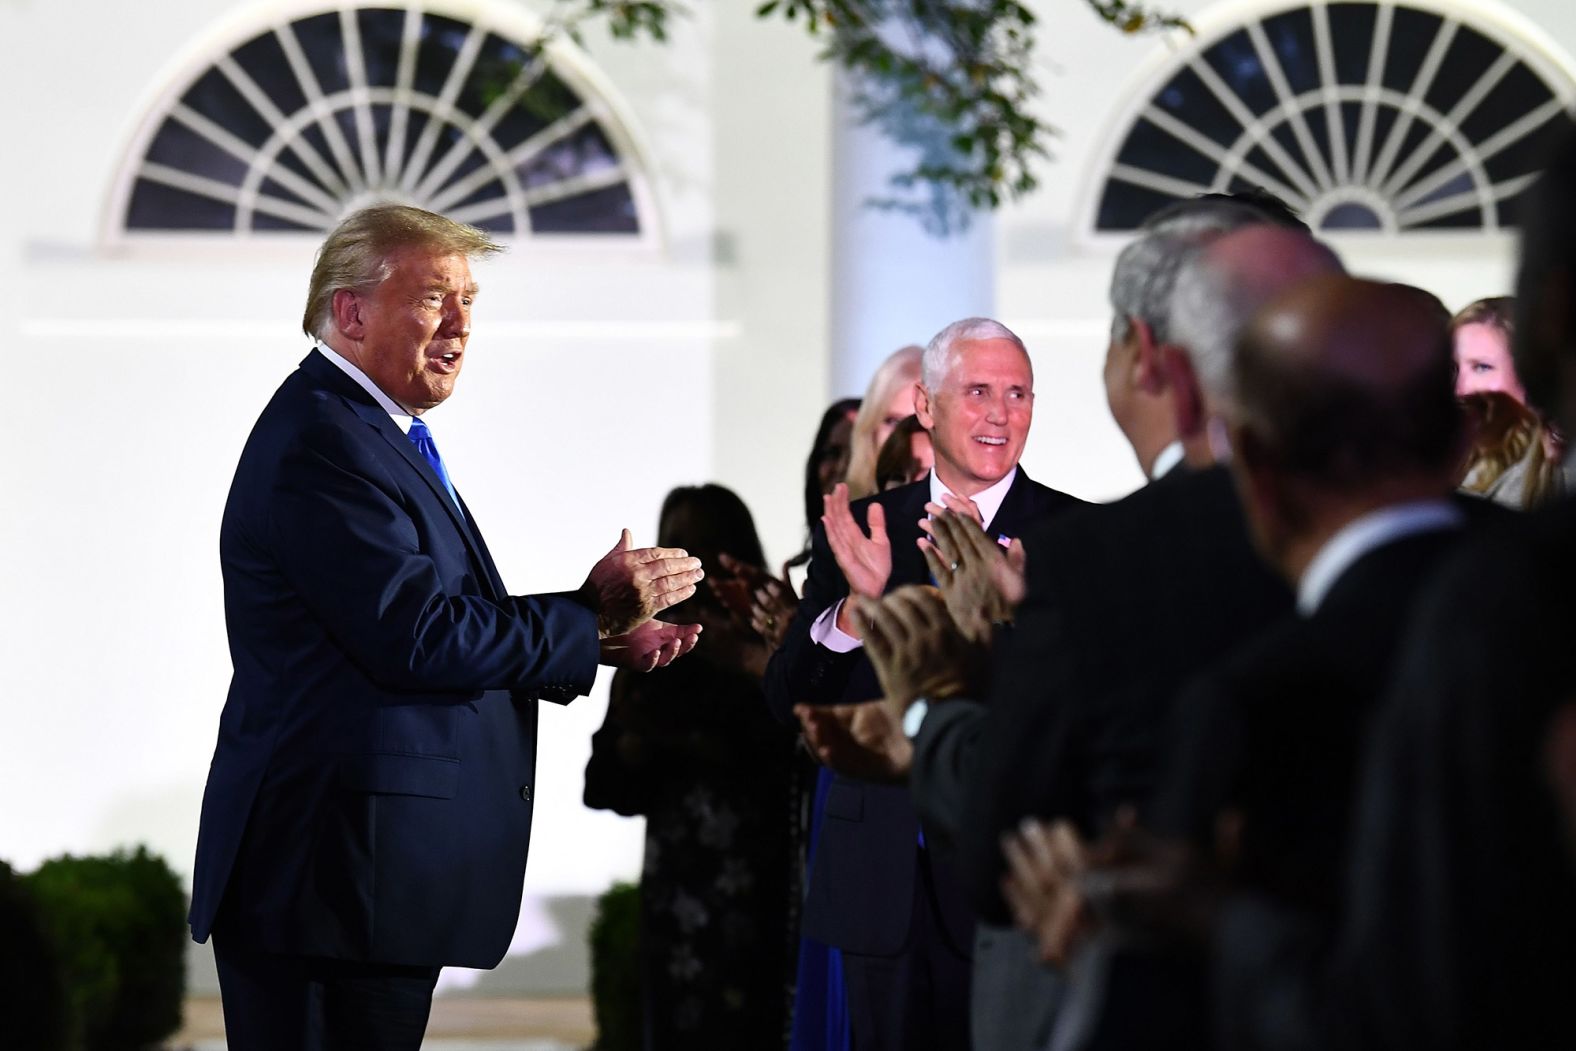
pixel 421 437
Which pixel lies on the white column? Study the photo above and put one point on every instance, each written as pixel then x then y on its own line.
pixel 893 282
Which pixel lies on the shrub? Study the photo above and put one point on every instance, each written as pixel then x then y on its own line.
pixel 615 969
pixel 32 996
pixel 118 926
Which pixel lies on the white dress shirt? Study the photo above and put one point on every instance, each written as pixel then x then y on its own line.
pixel 1362 535
pixel 1166 459
pixel 396 412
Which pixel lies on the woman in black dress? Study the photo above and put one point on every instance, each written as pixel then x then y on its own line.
pixel 693 748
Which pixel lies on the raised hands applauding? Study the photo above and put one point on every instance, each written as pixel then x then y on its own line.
pixel 866 560
pixel 981 581
pixel 917 651
pixel 627 588
pixel 755 597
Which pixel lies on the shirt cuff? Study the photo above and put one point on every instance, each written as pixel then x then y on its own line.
pixel 826 632
pixel 914 718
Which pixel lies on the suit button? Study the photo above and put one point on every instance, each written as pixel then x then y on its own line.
pixel 525 793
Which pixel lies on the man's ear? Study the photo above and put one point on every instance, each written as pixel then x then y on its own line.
pixel 347 314
pixel 1271 503
pixel 1187 401
pixel 1148 372
pixel 922 407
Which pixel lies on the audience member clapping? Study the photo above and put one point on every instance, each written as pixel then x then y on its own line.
pixel 692 748
pixel 1461 930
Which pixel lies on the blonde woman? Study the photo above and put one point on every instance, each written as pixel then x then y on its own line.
pixel 888 401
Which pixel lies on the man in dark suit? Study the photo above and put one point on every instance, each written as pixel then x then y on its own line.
pixel 1461 928
pixel 1126 600
pixel 878 890
pixel 1346 441
pixel 369 803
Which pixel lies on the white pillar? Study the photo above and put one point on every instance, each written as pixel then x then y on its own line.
pixel 893 282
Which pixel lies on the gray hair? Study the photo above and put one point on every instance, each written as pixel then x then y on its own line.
pixel 1214 299
pixel 938 352
pixel 355 254
pixel 1146 270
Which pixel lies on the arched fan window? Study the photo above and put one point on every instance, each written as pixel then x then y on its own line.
pixel 293 127
pixel 1363 116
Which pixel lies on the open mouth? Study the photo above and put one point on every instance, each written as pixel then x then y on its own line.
pixel 988 440
pixel 445 362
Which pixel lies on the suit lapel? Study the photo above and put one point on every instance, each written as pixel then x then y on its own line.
pixel 1016 510
pixel 371 413
pixel 903 515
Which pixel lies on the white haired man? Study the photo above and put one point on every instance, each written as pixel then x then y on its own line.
pixel 878 891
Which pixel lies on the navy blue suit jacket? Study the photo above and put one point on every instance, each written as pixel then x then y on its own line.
pixel 860 896
pixel 370 793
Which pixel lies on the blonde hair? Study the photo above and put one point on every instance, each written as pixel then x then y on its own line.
pixel 355 254
pixel 1497 312
pixel 1505 433
pixel 897 371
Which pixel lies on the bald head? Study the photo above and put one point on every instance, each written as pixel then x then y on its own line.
pixel 1226 283
pixel 1348 383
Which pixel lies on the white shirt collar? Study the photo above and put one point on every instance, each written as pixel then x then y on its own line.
pixel 396 412
pixel 1362 535
pixel 988 500
pixel 1166 459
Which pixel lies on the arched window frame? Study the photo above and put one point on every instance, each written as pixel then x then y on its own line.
pixel 1499 23
pixel 507 18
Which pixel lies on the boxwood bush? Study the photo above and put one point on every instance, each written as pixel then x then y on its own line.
pixel 116 925
pixel 615 969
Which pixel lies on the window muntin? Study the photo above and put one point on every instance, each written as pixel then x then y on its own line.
pixel 1364 116
pixel 301 123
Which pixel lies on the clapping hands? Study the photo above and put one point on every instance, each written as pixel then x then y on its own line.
pixel 915 648
pixel 981 582
pixel 654 644
pixel 756 598
pixel 1061 890
pixel 628 585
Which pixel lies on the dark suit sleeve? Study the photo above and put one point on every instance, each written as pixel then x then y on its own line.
pixel 346 545
pixel 1028 761
pixel 1202 764
pixel 945 757
pixel 802 671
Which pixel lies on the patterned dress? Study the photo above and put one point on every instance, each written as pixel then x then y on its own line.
pixel 693 748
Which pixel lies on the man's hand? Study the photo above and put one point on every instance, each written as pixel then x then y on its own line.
pixel 982 584
pixel 861 740
pixel 866 561
pixel 631 585
pixel 1044 865
pixel 916 649
pixel 654 644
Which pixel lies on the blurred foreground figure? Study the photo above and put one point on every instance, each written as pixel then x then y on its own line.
pixel 1345 438
pixel 369 804
pixel 1463 926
